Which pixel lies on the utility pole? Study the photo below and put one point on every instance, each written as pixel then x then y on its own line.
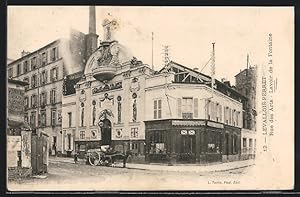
pixel 166 54
pixel 152 51
pixel 213 70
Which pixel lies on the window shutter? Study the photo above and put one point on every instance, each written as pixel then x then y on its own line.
pixel 46 76
pixel 206 109
pixel 46 58
pixel 56 52
pixel 45 98
pixel 196 107
pixel 56 73
pixel 50 96
pixel 51 74
pixel 38 61
pixel 220 109
pixel 179 107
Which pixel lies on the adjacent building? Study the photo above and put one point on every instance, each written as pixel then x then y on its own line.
pixel 246 84
pixel 17 132
pixel 45 71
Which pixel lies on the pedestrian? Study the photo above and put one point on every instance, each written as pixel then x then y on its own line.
pixel 75 157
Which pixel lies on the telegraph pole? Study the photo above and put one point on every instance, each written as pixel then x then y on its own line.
pixel 152 51
pixel 213 70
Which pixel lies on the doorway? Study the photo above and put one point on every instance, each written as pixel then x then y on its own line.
pixel 106 132
pixel 188 149
pixel 226 144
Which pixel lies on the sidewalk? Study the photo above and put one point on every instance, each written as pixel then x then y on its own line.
pixel 175 168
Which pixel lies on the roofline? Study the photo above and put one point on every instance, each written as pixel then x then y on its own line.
pixel 25 56
pixel 204 76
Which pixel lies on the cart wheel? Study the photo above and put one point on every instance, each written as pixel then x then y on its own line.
pixel 94 159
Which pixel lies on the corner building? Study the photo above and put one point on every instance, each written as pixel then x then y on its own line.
pixel 160 116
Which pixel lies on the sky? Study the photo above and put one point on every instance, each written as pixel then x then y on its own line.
pixel 189 31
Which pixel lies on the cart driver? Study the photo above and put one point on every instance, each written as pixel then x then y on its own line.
pixel 104 148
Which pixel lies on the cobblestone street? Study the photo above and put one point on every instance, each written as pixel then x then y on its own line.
pixel 79 177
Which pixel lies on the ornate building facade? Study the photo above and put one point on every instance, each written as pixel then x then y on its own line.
pixel 171 114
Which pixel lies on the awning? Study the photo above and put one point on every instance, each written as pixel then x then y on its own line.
pixel 12 124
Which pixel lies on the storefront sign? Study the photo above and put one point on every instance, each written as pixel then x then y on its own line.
pixel 192 132
pixel 214 124
pixel 183 132
pixel 187 132
pixel 188 123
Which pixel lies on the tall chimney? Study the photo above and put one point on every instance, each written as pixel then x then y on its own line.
pixel 92 18
pixel 91 37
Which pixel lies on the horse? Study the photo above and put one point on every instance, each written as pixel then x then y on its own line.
pixel 112 157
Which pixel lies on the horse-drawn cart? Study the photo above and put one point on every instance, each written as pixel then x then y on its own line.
pixel 100 157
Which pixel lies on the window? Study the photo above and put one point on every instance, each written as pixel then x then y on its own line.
pixel 234 145
pixel 134 132
pixel 53 96
pixel 26 102
pixel 43 77
pixel 70 118
pixel 244 142
pixel 43 118
pixel 187 108
pixel 25 66
pixel 26 118
pixel 69 141
pixel 33 81
pixel 54 54
pixel 250 143
pixel 32 119
pixel 208 109
pixel 26 79
pixel 33 63
pixel 43 98
pixel 10 72
pixel 217 112
pixel 53 117
pixel 44 59
pixel 157 109
pixel 18 69
pixel 234 117
pixel 214 142
pixel 53 74
pixel 33 100
pixel 82 134
pixel 157 142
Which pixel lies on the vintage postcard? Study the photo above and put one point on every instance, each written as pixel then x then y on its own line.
pixel 124 98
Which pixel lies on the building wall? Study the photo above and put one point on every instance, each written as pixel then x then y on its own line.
pixel 70 58
pixel 196 91
pixel 246 85
pixel 126 94
pixel 248 143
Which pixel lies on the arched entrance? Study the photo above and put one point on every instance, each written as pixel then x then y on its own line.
pixel 106 132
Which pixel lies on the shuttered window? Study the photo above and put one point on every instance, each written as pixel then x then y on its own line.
pixel 179 107
pixel 196 107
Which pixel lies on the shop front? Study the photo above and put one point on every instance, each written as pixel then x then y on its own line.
pixel 187 141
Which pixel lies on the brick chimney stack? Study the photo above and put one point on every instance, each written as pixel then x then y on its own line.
pixel 91 37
